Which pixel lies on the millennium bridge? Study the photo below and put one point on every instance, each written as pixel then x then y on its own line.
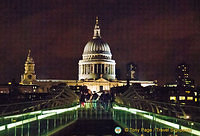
pixel 130 114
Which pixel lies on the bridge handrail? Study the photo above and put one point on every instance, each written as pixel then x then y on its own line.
pixel 178 123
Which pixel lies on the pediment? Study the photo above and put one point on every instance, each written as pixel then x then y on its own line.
pixel 102 80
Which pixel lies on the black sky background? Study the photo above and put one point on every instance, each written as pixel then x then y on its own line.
pixel 156 35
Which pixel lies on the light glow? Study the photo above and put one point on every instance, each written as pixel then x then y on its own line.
pixel 46 115
pixel 189 98
pixel 181 97
pixel 148 116
pixel 192 131
pixel 24 114
pixel 14 124
pixel 171 124
pixel 167 123
pixel 38 116
pixel 132 110
pixel 58 111
pixel 173 98
pixel 2 128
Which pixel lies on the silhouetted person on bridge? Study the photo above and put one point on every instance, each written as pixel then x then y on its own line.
pixel 107 100
pixel 94 99
pixel 82 99
pixel 88 98
pixel 101 99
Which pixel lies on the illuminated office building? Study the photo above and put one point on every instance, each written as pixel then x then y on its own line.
pixel 183 76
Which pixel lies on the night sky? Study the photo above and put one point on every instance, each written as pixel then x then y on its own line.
pixel 155 35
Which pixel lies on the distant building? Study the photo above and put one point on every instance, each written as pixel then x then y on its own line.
pixel 19 88
pixel 96 69
pixel 173 95
pixel 4 89
pixel 182 78
pixel 29 76
pixel 183 91
pixel 97 59
pixel 132 72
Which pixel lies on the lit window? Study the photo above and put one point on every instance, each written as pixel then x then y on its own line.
pixel 189 98
pixel 195 100
pixel 173 98
pixel 187 92
pixel 195 93
pixel 181 97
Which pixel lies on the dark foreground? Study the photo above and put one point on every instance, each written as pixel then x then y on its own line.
pixel 91 128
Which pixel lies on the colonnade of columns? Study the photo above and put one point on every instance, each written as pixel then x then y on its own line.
pixel 97 69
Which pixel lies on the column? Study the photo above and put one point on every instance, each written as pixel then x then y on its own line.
pixel 84 69
pixel 81 69
pixel 114 69
pixel 93 68
pixel 111 69
pixel 105 68
pixel 88 68
pixel 97 68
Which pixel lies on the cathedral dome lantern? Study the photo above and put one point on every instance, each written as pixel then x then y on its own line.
pixel 97 58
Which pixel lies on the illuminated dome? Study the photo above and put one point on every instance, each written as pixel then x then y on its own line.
pixel 97 49
pixel 95 46
pixel 97 59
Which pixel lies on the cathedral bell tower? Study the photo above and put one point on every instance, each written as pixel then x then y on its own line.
pixel 29 76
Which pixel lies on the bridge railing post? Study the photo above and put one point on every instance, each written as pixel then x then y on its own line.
pixel 38 126
pixel 47 127
pixel 15 133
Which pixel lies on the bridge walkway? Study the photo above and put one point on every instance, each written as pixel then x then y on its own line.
pixel 87 121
